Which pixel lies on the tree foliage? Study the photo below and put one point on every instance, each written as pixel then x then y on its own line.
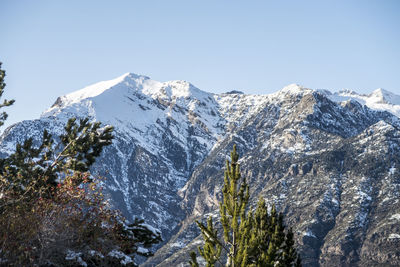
pixel 32 171
pixel 6 103
pixel 269 244
pixel 250 238
pixel 75 224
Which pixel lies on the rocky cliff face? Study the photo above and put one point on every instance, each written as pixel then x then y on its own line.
pixel 330 163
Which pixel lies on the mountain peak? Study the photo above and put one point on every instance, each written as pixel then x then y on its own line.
pixel 128 79
pixel 347 92
pixel 98 88
pixel 121 91
pixel 180 88
pixel 294 89
pixel 380 91
pixel 383 96
pixel 379 99
pixel 133 76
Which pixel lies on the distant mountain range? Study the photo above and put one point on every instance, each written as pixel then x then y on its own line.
pixel 329 161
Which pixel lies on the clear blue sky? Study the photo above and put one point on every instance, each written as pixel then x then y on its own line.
pixel 50 48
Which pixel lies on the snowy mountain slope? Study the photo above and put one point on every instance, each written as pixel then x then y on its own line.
pixel 379 99
pixel 171 140
pixel 162 131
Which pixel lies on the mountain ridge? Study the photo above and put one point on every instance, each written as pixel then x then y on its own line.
pixel 375 100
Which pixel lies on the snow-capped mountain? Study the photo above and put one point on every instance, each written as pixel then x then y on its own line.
pixel 330 161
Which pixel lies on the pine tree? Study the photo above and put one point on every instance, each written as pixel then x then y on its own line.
pixel 211 250
pixel 269 245
pixel 233 211
pixel 6 103
pixel 33 171
pixel 290 256
pixel 249 239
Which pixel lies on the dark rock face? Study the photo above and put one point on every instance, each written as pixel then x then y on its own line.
pixel 338 186
pixel 332 168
